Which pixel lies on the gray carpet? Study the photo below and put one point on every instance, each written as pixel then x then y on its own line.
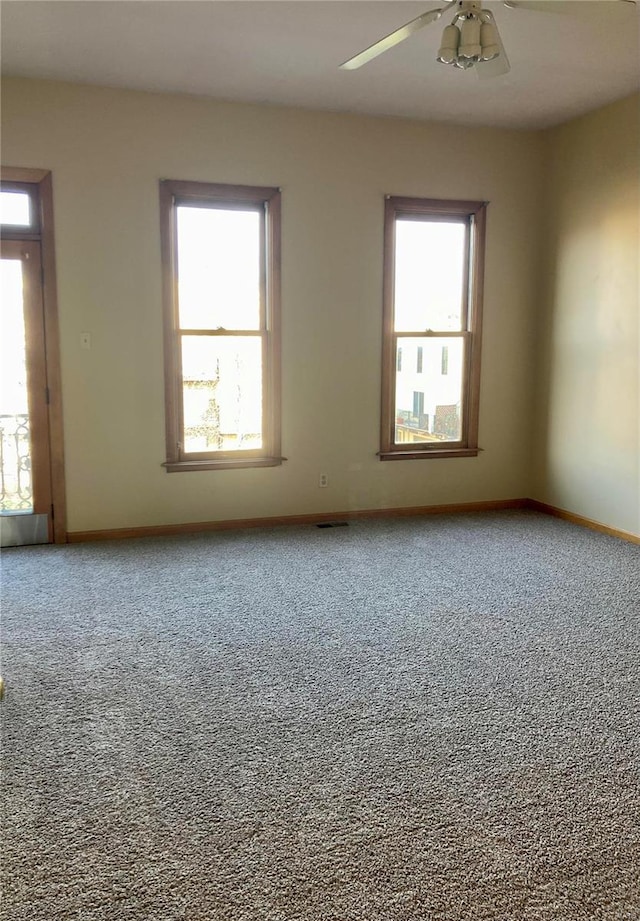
pixel 427 719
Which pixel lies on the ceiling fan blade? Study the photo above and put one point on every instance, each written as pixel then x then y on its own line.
pixel 496 68
pixel 551 6
pixel 538 6
pixel 394 38
pixel 499 66
pixel 546 4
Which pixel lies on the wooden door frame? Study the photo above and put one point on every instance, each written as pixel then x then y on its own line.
pixel 41 180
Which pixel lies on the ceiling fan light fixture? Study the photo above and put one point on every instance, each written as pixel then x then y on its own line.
pixel 470 48
pixel 489 42
pixel 471 38
pixel 448 53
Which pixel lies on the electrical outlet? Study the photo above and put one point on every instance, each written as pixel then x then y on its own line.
pixel 323 481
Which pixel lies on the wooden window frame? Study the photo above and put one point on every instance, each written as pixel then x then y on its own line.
pixel 473 215
pixel 267 201
pixel 38 183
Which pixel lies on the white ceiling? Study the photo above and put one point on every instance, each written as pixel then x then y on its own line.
pixel 577 56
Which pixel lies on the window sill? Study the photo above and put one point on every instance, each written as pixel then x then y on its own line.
pixel 227 463
pixel 431 453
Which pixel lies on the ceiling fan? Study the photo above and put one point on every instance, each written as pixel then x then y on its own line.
pixel 471 40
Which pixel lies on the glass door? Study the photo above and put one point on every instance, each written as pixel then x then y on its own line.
pixel 25 472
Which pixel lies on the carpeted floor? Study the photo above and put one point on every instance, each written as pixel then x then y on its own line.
pixel 430 719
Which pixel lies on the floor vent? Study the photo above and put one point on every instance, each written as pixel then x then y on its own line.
pixel 333 524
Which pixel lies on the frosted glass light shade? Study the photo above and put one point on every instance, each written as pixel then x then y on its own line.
pixel 470 48
pixel 489 42
pixel 448 53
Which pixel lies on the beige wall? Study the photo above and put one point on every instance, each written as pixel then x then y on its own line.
pixel 108 149
pixel 563 328
pixel 588 432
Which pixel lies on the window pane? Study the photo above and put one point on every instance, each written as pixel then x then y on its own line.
pixel 429 275
pixel 218 268
pixel 15 439
pixel 15 209
pixel 222 393
pixel 429 402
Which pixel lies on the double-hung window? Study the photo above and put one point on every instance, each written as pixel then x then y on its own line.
pixel 433 276
pixel 221 267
